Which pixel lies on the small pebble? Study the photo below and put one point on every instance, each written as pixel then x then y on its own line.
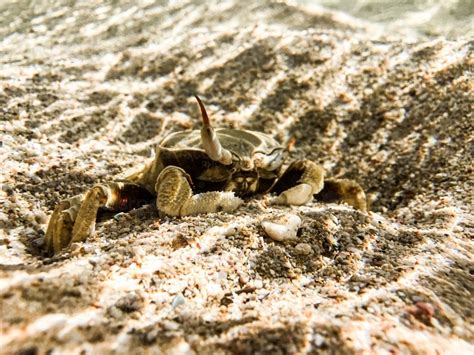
pixel 282 227
pixel 129 303
pixel 258 284
pixel 178 301
pixel 40 217
pixel 303 249
pixel 7 189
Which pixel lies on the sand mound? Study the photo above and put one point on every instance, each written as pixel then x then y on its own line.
pixel 87 90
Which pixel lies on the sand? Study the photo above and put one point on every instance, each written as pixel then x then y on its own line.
pixel 87 90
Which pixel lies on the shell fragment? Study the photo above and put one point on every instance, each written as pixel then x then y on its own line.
pixel 282 227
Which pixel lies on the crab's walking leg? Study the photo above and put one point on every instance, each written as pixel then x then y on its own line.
pixel 61 223
pixel 74 219
pixel 299 183
pixel 336 190
pixel 175 196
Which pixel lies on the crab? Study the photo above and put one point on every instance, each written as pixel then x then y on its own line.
pixel 202 171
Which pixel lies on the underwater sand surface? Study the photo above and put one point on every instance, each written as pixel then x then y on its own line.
pixel 88 89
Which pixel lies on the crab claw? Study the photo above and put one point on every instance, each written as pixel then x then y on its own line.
pixel 210 141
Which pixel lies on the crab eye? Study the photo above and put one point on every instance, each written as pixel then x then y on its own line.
pixel 270 161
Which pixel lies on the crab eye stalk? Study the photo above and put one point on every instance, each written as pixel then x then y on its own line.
pixel 205 117
pixel 210 141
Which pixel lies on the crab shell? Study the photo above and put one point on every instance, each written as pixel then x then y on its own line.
pixel 256 161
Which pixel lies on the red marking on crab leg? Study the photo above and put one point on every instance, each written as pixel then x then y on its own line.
pixel 123 202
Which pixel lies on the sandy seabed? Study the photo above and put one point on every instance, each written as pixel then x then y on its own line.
pixel 87 89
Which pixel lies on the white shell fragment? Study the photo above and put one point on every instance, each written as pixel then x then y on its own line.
pixel 282 227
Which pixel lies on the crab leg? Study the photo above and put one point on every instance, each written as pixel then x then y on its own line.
pixel 61 222
pixel 348 191
pixel 175 196
pixel 210 141
pixel 304 178
pixel 299 183
pixel 74 219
